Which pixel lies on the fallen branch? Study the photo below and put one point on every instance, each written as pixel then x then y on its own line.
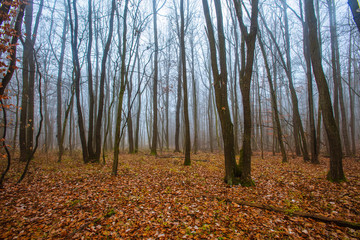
pixel 316 217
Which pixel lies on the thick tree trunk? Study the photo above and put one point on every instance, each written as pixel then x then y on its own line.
pixel 220 86
pixel 245 84
pixel 27 102
pixel 306 50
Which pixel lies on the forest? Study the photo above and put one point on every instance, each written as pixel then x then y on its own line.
pixel 179 119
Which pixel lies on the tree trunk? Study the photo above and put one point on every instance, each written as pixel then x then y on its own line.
pixel 59 84
pixel 184 74
pixel 194 90
pixel 336 172
pixel 338 92
pixel 220 86
pixel 27 102
pixel 102 85
pixel 306 47
pixel 76 65
pixel 139 107
pixel 155 83
pixel 245 83
pixel 274 106
pixel 351 100
pixel 121 93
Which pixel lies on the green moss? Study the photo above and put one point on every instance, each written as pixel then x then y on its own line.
pixel 109 213
pixel 247 182
pixel 329 178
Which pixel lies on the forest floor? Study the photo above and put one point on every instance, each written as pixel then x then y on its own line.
pixel 159 198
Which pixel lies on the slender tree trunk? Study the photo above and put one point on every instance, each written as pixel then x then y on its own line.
pixel 338 91
pixel 167 93
pixel 184 74
pixel 139 106
pixel 76 64
pixel 194 90
pixel 102 85
pixel 121 93
pixel 178 106
pixel 351 99
pixel 274 106
pixel 336 172
pixel 155 83
pixel 90 85
pixel 59 84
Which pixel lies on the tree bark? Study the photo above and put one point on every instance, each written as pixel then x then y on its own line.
pixel 184 74
pixel 194 89
pixel 245 84
pixel 336 172
pixel 59 84
pixel 220 86
pixel 338 91
pixel 155 83
pixel 76 65
pixel 102 85
pixel 274 106
pixel 306 49
pixel 121 94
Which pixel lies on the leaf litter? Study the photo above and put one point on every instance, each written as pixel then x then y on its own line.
pixel 159 198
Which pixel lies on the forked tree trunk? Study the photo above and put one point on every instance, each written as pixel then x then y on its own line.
pixel 245 84
pixel 220 86
pixel 306 49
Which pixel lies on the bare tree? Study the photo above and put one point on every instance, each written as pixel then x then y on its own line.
pixel 220 86
pixel 245 83
pixel 155 83
pixel 185 89
pixel 336 172
pixel 27 102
